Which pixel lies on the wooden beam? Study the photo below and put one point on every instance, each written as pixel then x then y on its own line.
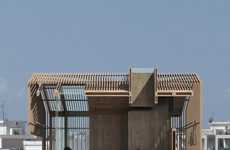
pixel 75 113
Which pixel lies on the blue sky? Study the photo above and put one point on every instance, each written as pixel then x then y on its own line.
pixel 104 35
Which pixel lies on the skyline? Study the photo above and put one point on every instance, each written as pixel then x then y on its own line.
pixel 83 36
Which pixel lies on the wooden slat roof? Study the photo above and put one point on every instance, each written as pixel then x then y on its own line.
pixel 91 81
pixel 177 82
pixel 114 81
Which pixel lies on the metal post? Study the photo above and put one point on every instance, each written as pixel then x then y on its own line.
pixel 50 134
pixel 44 142
pixel 65 120
pixel 216 143
pixel 66 131
pixel 205 143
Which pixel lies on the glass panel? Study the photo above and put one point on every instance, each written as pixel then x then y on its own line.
pixel 53 98
pixel 78 133
pixel 220 144
pixel 75 98
pixel 58 133
pixel 78 139
pixel 211 142
pixel 74 93
pixel 55 105
pixel 78 129
pixel 227 144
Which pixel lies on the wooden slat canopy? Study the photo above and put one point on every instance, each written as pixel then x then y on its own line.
pixel 104 84
pixel 112 81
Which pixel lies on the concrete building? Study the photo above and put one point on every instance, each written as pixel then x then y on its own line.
pixel 138 110
pixel 13 136
pixel 12 127
pixel 217 137
pixel 32 144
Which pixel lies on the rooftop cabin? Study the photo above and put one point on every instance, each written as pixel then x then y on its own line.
pixel 138 110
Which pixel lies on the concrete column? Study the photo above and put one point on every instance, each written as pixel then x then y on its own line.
pixel 216 143
pixel 205 143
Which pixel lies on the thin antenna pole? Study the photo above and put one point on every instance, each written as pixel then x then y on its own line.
pixel 2 106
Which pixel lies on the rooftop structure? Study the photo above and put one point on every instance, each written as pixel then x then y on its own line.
pixel 138 110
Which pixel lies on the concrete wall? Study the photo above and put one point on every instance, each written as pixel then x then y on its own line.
pixel 108 123
pixel 194 112
pixel 149 129
pixel 148 124
pixel 12 143
pixel 109 132
pixel 142 89
pixel 136 129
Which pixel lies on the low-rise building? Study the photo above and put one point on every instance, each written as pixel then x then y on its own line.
pixel 12 127
pixel 217 137
pixel 13 136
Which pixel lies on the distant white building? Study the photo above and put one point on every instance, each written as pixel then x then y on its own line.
pixel 217 137
pixel 32 145
pixel 13 136
pixel 12 127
